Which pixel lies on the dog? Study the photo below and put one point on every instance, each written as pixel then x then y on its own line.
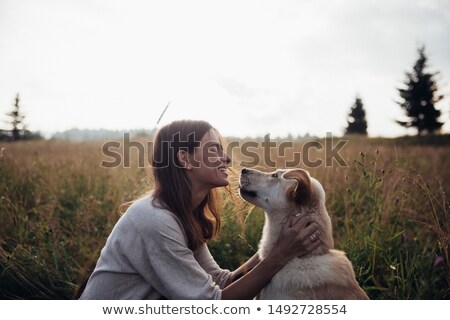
pixel 323 274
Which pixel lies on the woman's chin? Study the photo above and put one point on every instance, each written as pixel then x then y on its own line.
pixel 222 183
pixel 225 183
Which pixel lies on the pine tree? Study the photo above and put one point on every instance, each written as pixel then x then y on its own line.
pixel 419 98
pixel 356 122
pixel 18 127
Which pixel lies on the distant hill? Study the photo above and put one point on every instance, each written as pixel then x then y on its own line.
pixel 76 134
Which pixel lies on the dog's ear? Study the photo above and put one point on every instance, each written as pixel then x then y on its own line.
pixel 302 192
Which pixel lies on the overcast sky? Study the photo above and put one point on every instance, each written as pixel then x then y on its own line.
pixel 248 67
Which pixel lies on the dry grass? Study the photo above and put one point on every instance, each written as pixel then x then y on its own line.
pixel 389 208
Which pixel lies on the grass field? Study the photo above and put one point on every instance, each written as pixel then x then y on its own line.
pixel 389 207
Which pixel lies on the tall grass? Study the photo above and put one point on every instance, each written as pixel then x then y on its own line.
pixel 389 209
pixel 392 230
pixel 56 208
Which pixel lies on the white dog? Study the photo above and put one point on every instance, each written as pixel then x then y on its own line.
pixel 325 273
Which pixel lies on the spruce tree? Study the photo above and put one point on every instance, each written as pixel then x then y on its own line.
pixel 16 121
pixel 356 122
pixel 419 97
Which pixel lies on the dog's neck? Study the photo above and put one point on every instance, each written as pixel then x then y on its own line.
pixel 272 228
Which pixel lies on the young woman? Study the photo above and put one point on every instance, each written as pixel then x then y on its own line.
pixel 157 249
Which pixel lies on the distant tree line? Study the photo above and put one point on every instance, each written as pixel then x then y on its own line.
pixel 417 98
pixel 76 134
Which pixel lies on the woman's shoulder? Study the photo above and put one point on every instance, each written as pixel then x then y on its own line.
pixel 147 213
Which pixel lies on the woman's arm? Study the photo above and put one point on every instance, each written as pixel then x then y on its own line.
pixel 293 242
pixel 245 268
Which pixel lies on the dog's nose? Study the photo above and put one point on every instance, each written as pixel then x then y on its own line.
pixel 244 171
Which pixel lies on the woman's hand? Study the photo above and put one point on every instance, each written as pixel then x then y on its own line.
pixel 298 237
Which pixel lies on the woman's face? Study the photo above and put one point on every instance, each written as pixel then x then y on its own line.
pixel 208 163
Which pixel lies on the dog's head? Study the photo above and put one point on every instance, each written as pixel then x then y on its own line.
pixel 285 192
pixel 279 190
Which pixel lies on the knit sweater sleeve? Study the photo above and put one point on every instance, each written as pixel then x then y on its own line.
pixel 221 277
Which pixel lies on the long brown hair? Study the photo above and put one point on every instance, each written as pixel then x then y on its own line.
pixel 173 189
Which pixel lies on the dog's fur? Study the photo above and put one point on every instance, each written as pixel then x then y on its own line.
pixel 323 274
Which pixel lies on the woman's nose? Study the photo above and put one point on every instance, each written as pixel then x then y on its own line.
pixel 226 158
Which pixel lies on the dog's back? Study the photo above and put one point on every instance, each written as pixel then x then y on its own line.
pixel 321 277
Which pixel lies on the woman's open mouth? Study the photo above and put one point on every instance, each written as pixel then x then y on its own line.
pixel 223 170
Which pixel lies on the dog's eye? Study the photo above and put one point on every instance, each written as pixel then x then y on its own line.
pixel 275 175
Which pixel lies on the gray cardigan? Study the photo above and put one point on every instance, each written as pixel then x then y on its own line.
pixel 146 257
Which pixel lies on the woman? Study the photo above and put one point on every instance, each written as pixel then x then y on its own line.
pixel 158 247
